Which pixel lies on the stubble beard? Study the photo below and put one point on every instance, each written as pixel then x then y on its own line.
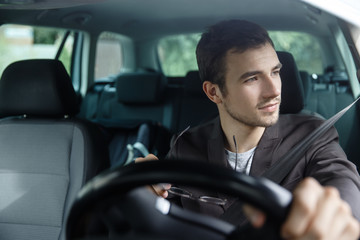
pixel 255 120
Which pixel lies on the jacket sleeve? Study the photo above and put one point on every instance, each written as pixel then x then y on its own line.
pixel 328 164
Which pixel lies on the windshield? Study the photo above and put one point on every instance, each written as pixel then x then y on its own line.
pixel 177 53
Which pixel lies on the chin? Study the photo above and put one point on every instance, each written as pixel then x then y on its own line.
pixel 269 121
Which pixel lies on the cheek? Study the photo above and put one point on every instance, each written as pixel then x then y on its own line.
pixel 243 98
pixel 279 84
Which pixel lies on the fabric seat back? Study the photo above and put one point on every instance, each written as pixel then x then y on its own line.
pixel 134 112
pixel 46 155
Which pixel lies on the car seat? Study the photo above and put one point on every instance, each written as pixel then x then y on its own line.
pixel 195 107
pixel 136 115
pixel 46 154
pixel 292 93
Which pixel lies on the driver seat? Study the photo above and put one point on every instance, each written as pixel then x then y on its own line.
pixel 46 154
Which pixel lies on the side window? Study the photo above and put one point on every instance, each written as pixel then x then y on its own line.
pixel 109 59
pixel 66 52
pixel 177 54
pixel 20 42
pixel 304 47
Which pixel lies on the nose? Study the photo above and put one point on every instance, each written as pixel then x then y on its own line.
pixel 272 87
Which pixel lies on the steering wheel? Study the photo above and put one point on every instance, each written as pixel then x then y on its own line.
pixel 135 213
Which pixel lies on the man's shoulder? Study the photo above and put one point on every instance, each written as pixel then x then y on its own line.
pixel 202 129
pixel 198 133
pixel 191 143
pixel 300 118
pixel 301 123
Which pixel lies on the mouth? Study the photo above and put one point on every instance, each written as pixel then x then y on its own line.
pixel 271 107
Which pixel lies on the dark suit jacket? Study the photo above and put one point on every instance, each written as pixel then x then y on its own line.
pixel 325 160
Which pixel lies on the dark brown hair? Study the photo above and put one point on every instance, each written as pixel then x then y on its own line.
pixel 214 44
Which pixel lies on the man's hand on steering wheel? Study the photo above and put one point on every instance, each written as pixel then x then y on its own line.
pixel 158 189
pixel 317 212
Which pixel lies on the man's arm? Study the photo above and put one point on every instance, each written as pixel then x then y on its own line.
pixel 329 165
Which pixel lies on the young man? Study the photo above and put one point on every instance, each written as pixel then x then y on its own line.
pixel 240 72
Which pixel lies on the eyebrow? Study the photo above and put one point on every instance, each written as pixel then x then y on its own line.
pixel 252 73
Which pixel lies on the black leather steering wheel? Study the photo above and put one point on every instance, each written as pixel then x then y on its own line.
pixel 140 214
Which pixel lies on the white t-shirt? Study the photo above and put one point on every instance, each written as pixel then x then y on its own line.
pixel 243 161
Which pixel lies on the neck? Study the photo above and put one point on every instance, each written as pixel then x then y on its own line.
pixel 247 137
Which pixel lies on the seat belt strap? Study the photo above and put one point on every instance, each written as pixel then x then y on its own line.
pixel 281 168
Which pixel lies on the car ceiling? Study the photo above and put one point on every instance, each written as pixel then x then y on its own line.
pixel 146 19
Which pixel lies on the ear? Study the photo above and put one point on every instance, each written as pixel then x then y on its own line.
pixel 212 91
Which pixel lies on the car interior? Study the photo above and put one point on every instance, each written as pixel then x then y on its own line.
pixel 87 86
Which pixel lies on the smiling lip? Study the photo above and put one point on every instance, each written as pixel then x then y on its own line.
pixel 270 107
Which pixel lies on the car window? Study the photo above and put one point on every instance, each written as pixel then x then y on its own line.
pixel 108 47
pixel 177 53
pixel 304 47
pixel 20 42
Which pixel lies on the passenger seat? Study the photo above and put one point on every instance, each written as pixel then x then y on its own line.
pixel 292 93
pixel 138 107
pixel 46 154
pixel 195 106
pixel 328 96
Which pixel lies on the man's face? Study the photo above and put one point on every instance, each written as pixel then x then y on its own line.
pixel 253 86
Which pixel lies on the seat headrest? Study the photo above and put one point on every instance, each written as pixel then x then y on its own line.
pixel 193 84
pixel 292 93
pixel 307 84
pixel 40 87
pixel 140 87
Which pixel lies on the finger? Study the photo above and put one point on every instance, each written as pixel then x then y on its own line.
pixel 150 157
pixel 352 230
pixel 161 189
pixel 256 217
pixel 164 186
pixel 324 224
pixel 342 224
pixel 303 208
pixel 155 190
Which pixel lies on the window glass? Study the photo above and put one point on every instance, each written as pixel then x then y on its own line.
pixel 177 53
pixel 19 42
pixel 304 47
pixel 67 51
pixel 108 61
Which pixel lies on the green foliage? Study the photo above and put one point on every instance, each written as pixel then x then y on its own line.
pixel 177 54
pixel 43 43
pixel 46 35
pixel 304 47
pixel 65 58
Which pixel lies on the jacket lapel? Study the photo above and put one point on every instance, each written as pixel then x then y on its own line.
pixel 215 146
pixel 265 155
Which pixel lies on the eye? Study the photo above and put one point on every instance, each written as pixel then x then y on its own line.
pixel 252 79
pixel 276 72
